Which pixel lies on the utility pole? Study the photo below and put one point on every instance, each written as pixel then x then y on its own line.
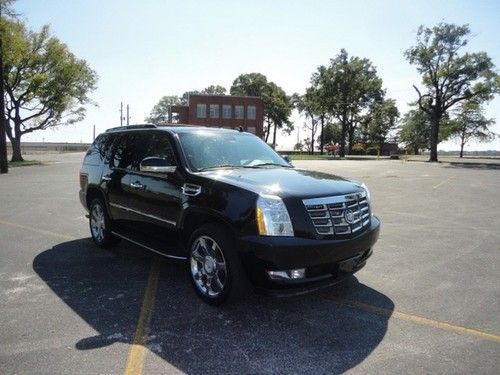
pixel 128 116
pixel 94 134
pixel 4 167
pixel 121 113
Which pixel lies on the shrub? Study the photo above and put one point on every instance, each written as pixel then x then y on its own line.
pixel 358 149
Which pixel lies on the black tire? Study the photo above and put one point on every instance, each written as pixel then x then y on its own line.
pixel 232 277
pixel 100 225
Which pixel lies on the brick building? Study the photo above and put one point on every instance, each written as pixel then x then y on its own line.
pixel 222 111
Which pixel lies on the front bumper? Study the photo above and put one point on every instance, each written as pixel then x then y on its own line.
pixel 325 260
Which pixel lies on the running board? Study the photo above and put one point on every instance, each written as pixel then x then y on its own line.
pixel 147 247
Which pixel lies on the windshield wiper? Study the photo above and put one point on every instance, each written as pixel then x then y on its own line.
pixel 273 164
pixel 219 166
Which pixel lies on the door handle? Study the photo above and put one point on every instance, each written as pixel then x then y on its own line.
pixel 106 178
pixel 137 185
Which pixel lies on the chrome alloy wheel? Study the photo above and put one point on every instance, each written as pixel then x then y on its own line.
pixel 97 222
pixel 208 266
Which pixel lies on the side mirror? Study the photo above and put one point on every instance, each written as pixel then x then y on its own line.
pixel 156 165
pixel 287 158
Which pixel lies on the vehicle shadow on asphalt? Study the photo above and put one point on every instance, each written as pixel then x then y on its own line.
pixel 313 333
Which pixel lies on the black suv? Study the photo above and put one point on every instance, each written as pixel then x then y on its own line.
pixel 228 206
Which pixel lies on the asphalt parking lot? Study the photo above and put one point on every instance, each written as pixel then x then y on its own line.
pixel 427 302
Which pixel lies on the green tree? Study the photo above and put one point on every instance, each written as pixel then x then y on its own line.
pixel 332 133
pixel 46 85
pixel 447 76
pixel 214 90
pixel 5 10
pixel 383 119
pixel 350 85
pixel 307 105
pixel 210 90
pixel 160 112
pixel 470 124
pixel 415 130
pixel 309 146
pixel 299 146
pixel 277 105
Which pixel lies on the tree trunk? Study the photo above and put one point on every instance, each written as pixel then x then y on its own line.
pixel 342 140
pixel 274 135
pixel 16 149
pixel 351 140
pixel 268 129
pixel 415 149
pixel 312 136
pixel 436 118
pixel 321 139
pixel 4 168
pixel 381 148
pixel 462 149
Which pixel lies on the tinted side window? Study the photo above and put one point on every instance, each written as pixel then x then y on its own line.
pixel 128 149
pixel 161 147
pixel 100 150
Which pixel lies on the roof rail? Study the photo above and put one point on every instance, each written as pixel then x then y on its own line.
pixel 128 127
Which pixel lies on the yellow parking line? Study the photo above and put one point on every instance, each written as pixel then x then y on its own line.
pixel 419 320
pixel 42 231
pixel 135 360
pixel 443 182
pixel 137 352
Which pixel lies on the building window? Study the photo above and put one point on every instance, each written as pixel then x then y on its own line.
pixel 226 111
pixel 201 110
pixel 239 112
pixel 214 111
pixel 251 112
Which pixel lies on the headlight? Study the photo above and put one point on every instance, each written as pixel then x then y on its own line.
pixel 367 192
pixel 272 217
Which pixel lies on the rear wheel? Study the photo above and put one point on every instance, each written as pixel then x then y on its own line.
pixel 100 225
pixel 214 267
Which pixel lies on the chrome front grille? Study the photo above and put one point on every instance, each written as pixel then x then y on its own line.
pixel 339 215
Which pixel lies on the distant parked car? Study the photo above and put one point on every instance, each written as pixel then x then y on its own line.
pixel 332 149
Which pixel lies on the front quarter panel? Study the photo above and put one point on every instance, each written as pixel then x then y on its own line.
pixel 227 203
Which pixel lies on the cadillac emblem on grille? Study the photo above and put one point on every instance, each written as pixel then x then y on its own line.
pixel 349 216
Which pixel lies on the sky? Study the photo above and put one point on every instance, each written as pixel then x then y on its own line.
pixel 143 50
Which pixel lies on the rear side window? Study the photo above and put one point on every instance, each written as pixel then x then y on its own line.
pixel 127 150
pixel 100 150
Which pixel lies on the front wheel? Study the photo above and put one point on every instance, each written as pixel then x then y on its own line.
pixel 100 225
pixel 215 269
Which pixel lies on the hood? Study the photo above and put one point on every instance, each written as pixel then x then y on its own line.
pixel 285 182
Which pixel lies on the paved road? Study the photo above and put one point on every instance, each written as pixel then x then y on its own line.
pixel 428 300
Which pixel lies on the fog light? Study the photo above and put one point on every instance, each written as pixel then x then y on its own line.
pixel 298 273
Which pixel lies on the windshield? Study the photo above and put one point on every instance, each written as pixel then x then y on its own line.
pixel 208 149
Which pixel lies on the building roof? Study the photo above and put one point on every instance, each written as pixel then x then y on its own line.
pixel 228 96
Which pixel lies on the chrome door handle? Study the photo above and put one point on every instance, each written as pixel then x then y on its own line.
pixel 136 185
pixel 106 178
